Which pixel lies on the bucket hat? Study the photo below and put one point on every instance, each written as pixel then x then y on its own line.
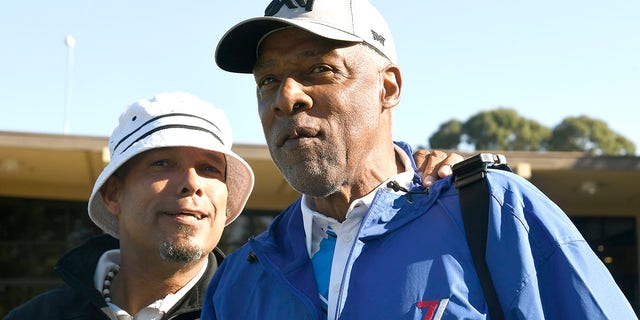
pixel 172 119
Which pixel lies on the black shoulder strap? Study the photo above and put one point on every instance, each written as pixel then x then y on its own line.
pixel 470 180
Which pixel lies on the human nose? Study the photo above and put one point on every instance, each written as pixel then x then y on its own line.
pixel 191 183
pixel 291 98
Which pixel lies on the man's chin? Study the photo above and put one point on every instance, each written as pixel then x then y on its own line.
pixel 183 251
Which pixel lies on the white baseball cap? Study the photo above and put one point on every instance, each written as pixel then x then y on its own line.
pixel 174 119
pixel 342 20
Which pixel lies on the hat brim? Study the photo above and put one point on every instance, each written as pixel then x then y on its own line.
pixel 240 181
pixel 237 50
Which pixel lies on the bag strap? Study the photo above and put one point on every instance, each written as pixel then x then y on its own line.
pixel 470 179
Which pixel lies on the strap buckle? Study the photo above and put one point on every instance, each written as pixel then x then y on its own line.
pixel 475 168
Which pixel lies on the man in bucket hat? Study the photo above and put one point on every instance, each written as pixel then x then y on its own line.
pixel 366 240
pixel 163 200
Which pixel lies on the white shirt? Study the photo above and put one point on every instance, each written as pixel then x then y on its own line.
pixel 315 224
pixel 155 310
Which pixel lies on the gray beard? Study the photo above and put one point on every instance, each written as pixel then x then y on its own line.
pixel 317 177
pixel 180 252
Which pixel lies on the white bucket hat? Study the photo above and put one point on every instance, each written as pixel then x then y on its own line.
pixel 342 20
pixel 175 119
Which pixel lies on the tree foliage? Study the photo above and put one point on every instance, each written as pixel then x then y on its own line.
pixel 448 135
pixel 505 129
pixel 589 135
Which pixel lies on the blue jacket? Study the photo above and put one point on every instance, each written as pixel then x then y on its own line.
pixel 412 261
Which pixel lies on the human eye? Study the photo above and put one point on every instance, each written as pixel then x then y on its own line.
pixel 160 163
pixel 323 73
pixel 213 165
pixel 320 69
pixel 213 170
pixel 266 80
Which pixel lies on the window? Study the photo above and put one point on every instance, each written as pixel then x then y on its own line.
pixel 614 241
pixel 33 236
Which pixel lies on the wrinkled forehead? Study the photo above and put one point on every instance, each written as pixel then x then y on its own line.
pixel 292 40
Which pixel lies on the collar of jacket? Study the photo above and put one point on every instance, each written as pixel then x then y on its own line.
pixel 282 252
pixel 77 266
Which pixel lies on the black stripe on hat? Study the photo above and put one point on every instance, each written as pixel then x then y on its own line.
pixel 174 126
pixel 171 126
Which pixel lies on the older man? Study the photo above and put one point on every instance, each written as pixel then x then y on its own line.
pixel 171 186
pixel 366 240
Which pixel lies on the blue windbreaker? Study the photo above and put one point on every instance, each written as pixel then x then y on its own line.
pixel 411 261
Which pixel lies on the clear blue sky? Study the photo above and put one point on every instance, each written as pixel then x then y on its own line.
pixel 546 59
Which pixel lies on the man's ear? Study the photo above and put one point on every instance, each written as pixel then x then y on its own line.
pixel 110 194
pixel 391 85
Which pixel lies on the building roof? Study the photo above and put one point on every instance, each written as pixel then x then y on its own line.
pixel 64 167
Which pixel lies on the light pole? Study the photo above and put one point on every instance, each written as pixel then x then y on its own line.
pixel 70 42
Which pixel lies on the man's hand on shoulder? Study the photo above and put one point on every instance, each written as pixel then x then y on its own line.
pixel 435 164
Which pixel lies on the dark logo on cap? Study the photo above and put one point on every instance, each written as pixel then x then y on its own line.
pixel 276 5
pixel 378 37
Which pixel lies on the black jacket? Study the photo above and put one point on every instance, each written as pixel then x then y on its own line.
pixel 78 298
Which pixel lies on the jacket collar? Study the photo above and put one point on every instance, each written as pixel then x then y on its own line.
pixel 77 266
pixel 282 252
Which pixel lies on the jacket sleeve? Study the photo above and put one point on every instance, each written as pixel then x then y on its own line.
pixel 541 264
pixel 578 285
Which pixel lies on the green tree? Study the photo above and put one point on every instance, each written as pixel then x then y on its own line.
pixel 504 129
pixel 448 135
pixel 589 135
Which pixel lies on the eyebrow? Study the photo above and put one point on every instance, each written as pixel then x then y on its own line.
pixel 311 53
pixel 217 157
